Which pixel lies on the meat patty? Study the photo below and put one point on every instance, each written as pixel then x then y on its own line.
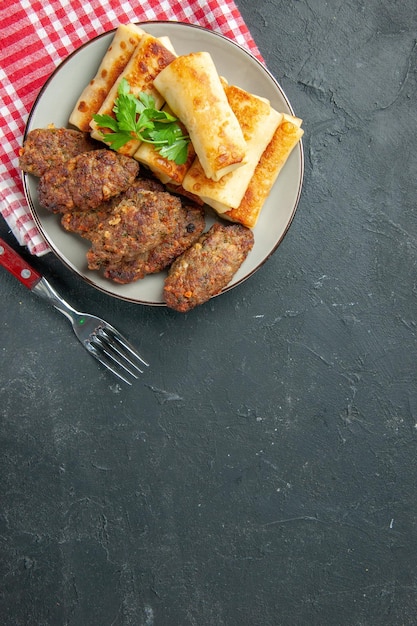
pixel 86 181
pixel 144 183
pixel 137 224
pixel 207 267
pixel 47 147
pixel 190 225
pixel 85 223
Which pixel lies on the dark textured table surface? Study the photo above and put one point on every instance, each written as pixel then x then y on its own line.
pixel 263 472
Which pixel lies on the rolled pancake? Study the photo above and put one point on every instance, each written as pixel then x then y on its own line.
pixel 123 44
pixel 151 55
pixel 192 88
pixel 165 170
pixel 258 122
pixel 285 138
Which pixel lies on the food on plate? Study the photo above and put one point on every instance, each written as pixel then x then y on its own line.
pixel 207 267
pixel 138 230
pixel 46 147
pixel 135 117
pixel 190 225
pixel 258 121
pixel 221 149
pixel 148 59
pixel 167 170
pixel 122 46
pixel 83 222
pixel 193 90
pixel 138 223
pixel 85 181
pixel 156 239
pixel 181 137
pixel 285 138
pixel 179 189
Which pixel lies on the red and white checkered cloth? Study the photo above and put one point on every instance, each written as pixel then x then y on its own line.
pixel 36 35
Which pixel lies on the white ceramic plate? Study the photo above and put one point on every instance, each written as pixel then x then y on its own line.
pixel 58 97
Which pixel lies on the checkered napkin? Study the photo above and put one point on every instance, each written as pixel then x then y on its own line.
pixel 36 35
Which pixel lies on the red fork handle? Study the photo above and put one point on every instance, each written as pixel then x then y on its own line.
pixel 17 266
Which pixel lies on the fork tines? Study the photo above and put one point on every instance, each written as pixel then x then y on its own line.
pixel 114 352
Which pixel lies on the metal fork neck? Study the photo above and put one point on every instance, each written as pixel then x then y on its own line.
pixel 45 290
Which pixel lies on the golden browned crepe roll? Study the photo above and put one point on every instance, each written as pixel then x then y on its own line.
pixel 285 138
pixel 121 48
pixel 258 122
pixel 151 55
pixel 192 88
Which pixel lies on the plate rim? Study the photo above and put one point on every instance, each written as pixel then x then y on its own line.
pixel 38 221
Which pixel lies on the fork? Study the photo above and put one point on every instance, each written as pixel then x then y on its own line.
pixel 98 337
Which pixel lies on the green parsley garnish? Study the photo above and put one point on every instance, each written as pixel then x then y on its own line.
pixel 137 118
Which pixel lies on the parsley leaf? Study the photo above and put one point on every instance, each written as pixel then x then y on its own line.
pixel 136 118
pixel 177 151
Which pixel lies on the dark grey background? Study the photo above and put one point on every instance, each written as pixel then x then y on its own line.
pixel 263 472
